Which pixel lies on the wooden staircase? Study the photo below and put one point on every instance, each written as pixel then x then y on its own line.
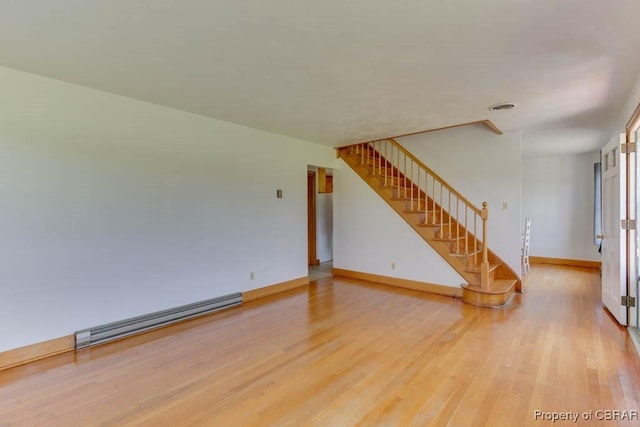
pixel 453 226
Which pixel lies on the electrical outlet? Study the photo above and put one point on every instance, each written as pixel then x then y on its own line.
pixel 505 205
pixel 393 265
pixel 252 275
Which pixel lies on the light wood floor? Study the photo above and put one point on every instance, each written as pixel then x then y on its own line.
pixel 343 353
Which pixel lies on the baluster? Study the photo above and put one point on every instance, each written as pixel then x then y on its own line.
pixel 457 226
pixel 426 196
pixel 449 210
pixel 466 234
pixel 484 268
pixel 365 154
pixel 365 149
pixel 398 169
pixel 373 157
pixel 441 210
pixel 419 191
pixel 404 173
pixel 369 154
pixel 376 156
pixel 379 157
pixel 475 239
pixel 411 182
pixel 386 163
pixel 433 199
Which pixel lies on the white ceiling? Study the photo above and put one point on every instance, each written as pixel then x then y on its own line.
pixel 341 71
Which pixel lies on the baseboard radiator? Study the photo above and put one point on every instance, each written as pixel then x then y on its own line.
pixel 136 325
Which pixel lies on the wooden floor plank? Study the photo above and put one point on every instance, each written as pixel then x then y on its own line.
pixel 346 352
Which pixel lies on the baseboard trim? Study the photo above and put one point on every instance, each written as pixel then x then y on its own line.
pixel 563 261
pixel 400 283
pixel 42 350
pixel 258 293
pixel 31 353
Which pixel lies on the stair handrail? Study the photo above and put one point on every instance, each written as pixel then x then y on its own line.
pixel 435 176
pixel 369 151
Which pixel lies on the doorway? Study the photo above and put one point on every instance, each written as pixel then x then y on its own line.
pixel 320 222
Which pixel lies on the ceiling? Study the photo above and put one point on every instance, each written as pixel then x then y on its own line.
pixel 340 71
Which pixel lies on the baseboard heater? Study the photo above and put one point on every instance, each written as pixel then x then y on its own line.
pixel 136 325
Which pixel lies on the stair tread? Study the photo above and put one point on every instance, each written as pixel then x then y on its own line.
pixel 405 199
pixel 465 255
pixel 421 211
pixel 428 224
pixel 414 211
pixel 476 268
pixel 448 239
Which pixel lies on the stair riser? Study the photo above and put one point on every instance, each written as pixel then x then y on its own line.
pixel 491 276
pixel 488 300
pixel 459 248
pixel 429 218
pixel 406 193
pixel 391 180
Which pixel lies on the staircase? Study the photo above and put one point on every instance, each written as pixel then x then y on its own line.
pixel 445 219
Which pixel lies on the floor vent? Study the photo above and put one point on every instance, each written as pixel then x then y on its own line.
pixel 136 325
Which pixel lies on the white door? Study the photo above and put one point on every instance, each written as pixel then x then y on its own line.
pixel 614 245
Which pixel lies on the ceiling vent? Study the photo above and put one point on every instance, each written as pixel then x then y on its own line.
pixel 503 106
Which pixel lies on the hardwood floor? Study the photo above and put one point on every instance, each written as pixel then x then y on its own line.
pixel 344 352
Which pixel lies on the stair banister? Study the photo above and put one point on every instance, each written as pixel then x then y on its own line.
pixel 407 171
pixel 442 221
pixel 484 267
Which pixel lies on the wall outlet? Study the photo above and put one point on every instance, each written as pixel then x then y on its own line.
pixel 393 265
pixel 252 275
pixel 505 205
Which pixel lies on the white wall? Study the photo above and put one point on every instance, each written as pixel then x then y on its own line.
pixel 324 226
pixel 557 193
pixel 113 208
pixel 629 107
pixel 369 235
pixel 482 166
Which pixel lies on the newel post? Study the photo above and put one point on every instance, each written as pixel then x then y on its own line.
pixel 484 267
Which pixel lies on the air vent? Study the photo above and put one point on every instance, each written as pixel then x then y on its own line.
pixel 503 106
